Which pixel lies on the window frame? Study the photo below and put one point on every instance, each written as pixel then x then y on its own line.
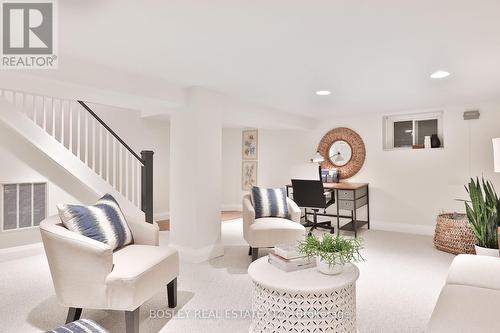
pixel 32 183
pixel 388 128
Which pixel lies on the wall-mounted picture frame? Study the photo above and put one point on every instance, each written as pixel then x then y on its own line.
pixel 249 146
pixel 248 175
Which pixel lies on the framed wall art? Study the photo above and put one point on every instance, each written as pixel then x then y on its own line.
pixel 250 144
pixel 248 175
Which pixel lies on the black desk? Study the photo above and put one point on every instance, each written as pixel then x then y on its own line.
pixel 351 197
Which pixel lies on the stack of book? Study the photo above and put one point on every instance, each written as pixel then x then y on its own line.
pixel 288 259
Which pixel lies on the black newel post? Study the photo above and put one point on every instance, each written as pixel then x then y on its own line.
pixel 147 184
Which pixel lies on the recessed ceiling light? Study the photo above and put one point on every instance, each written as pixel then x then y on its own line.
pixel 440 74
pixel 323 92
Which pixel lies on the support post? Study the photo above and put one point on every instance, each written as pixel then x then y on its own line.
pixel 196 143
pixel 147 184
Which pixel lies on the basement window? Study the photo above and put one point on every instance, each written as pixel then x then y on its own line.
pixel 24 205
pixel 407 130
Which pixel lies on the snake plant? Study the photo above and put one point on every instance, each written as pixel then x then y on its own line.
pixel 483 212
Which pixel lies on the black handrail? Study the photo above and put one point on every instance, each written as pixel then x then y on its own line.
pixel 146 160
pixel 111 131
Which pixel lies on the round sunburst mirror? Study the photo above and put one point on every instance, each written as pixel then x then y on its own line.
pixel 343 149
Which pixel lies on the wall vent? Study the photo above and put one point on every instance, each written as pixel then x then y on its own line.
pixel 471 115
pixel 23 205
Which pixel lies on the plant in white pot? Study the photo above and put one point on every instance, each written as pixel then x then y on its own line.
pixel 483 212
pixel 332 252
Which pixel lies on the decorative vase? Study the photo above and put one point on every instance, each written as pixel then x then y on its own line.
pixel 427 141
pixel 484 251
pixel 325 267
pixel 435 142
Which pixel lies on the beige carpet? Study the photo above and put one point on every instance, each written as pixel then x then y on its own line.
pixel 396 291
pixel 225 216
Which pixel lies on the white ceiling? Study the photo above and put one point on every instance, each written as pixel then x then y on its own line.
pixel 373 55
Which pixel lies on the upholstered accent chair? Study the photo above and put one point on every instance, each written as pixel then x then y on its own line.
pixel 87 274
pixel 470 298
pixel 270 231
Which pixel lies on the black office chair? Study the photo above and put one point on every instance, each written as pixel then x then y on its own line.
pixel 311 194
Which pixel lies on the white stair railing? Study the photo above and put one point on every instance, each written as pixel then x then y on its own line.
pixel 82 132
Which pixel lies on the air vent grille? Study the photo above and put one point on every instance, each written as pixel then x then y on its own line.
pixel 24 205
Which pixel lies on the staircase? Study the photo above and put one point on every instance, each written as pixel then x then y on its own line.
pixel 73 136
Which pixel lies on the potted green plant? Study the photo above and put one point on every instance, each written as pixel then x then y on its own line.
pixel 483 212
pixel 332 252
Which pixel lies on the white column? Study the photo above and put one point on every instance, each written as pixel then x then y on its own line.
pixel 195 181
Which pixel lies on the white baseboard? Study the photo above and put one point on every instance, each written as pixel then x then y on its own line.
pixel 197 256
pixel 232 207
pixel 161 216
pixel 22 251
pixel 417 229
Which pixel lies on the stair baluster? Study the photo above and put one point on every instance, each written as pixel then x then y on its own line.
pixel 83 133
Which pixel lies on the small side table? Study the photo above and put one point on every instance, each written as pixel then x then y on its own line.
pixel 302 301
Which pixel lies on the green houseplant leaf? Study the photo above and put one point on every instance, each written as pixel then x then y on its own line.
pixel 483 212
pixel 334 250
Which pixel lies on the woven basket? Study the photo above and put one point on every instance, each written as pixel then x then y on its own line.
pixel 453 234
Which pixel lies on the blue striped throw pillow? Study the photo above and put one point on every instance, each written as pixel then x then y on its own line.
pixel 79 326
pixel 269 202
pixel 103 221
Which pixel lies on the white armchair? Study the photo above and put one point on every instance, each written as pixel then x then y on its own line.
pixel 88 274
pixel 470 298
pixel 270 231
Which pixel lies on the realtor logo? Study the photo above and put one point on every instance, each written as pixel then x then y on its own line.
pixel 28 30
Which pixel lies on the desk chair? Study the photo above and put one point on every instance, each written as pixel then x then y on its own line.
pixel 311 194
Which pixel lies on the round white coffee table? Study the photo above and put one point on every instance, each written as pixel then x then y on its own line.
pixel 302 301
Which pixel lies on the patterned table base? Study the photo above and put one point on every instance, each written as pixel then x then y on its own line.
pixel 278 311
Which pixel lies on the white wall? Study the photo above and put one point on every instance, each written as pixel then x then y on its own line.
pixel 278 151
pixel 18 160
pixel 231 169
pixel 408 188
pixel 144 134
